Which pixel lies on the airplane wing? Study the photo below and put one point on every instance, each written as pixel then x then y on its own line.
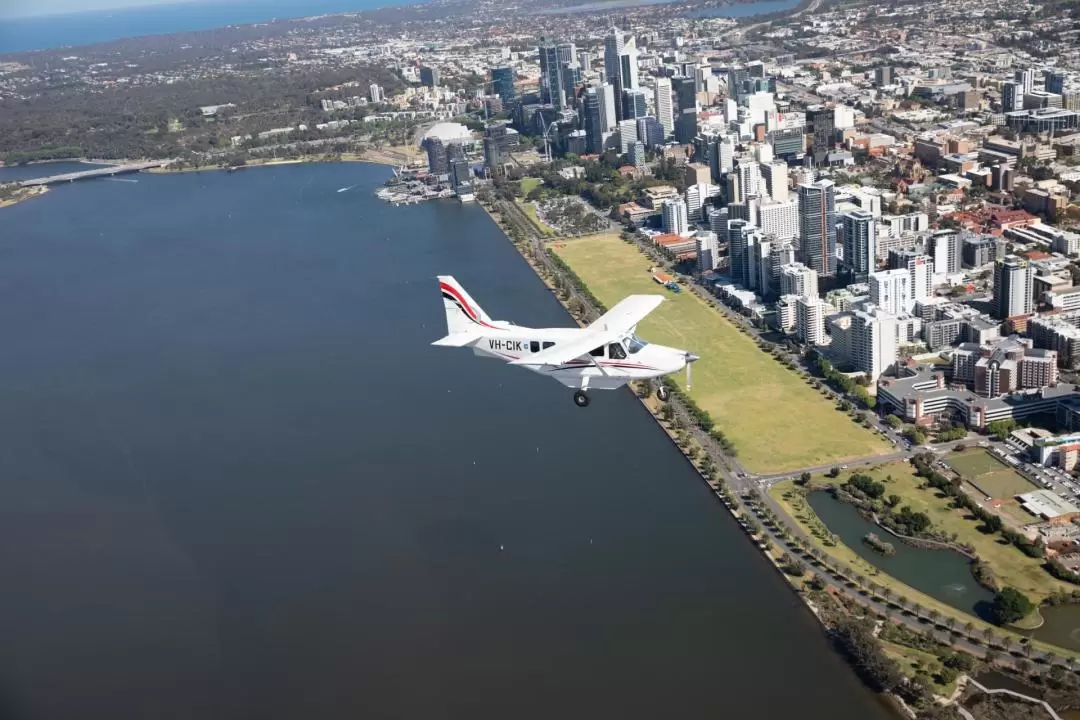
pixel 627 313
pixel 562 352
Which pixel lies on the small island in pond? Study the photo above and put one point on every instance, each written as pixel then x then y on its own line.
pixel 885 548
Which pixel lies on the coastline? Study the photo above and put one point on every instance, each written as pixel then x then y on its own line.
pixel 24 196
pixel 770 538
pixel 312 159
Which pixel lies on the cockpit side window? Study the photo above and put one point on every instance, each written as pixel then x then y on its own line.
pixel 616 352
pixel 634 344
pixel 597 352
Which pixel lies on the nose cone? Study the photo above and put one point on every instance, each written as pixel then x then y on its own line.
pixel 691 357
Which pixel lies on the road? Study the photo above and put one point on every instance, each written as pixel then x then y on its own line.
pixel 844 581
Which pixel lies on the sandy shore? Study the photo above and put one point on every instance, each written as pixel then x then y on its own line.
pixel 24 195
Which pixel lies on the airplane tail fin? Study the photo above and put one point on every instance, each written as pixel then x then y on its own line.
pixel 463 315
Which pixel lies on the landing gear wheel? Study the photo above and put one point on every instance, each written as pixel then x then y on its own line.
pixel 581 399
pixel 662 393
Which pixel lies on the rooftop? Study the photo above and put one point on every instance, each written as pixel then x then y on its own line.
pixel 1046 504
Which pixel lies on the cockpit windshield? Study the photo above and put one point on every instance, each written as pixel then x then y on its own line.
pixel 634 343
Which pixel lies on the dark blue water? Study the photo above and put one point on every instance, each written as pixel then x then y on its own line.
pixel 236 481
pixel 38 170
pixel 39 33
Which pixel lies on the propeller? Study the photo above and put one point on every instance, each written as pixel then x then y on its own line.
pixel 690 359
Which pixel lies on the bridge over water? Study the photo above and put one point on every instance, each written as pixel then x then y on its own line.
pixel 110 171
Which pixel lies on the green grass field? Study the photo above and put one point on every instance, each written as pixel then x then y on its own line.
pixel 1012 567
pixel 527 185
pixel 989 475
pixel 916 662
pixel 776 421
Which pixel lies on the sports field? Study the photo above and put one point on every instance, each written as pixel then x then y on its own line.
pixel 776 421
pixel 989 475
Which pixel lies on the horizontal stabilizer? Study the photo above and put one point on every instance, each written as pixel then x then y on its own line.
pixel 458 339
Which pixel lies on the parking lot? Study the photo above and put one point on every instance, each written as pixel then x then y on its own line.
pixel 1050 478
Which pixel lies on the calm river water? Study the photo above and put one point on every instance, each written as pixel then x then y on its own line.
pixel 237 482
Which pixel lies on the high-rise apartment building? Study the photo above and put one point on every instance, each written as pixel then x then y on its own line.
pixel 775 174
pixel 779 219
pixel 810 320
pixel 1013 287
pixel 663 101
pixel 817 227
pixel 614 42
pixel 874 346
pixel 650 132
pixel 821 123
pixel 674 217
pixel 740 237
pixel 860 244
pixel 798 279
pixel 947 249
pixel 609 109
pixel 890 290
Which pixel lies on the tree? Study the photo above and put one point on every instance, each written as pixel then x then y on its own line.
pixel 893 421
pixel 1010 605
pixel 804 479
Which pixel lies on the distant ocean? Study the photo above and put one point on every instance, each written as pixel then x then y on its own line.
pixel 53 31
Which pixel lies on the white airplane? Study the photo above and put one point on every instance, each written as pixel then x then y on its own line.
pixel 603 356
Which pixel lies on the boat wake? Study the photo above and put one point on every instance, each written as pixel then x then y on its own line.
pixel 346 189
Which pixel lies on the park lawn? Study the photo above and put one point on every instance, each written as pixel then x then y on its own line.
pixel 776 421
pixel 800 511
pixel 989 475
pixel 1011 566
pixel 917 662
pixel 527 185
pixel 530 210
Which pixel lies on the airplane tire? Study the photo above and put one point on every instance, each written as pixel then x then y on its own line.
pixel 581 399
pixel 663 394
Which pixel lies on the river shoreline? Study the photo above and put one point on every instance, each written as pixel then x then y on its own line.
pixel 309 160
pixel 24 196
pixel 715 488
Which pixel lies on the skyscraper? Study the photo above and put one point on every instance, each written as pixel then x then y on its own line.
pixel 738 234
pixel 890 290
pixel 567 53
pixel 1012 96
pixel 883 75
pixel 613 50
pixel 817 227
pixel 1025 79
pixel 650 132
pixel 685 93
pixel 662 99
pixel 947 251
pixel 594 122
pixel 860 244
pixel 775 175
pixel 1013 287
pixel 609 110
pixel 686 127
pixel 637 154
pixel 634 105
pixel 821 122
pixel 502 83
pixel 551 90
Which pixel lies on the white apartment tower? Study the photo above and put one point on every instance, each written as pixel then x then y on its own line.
pixel 779 219
pixel 890 290
pixel 673 213
pixel 775 175
pixel 873 341
pixel 798 279
pixel 810 320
